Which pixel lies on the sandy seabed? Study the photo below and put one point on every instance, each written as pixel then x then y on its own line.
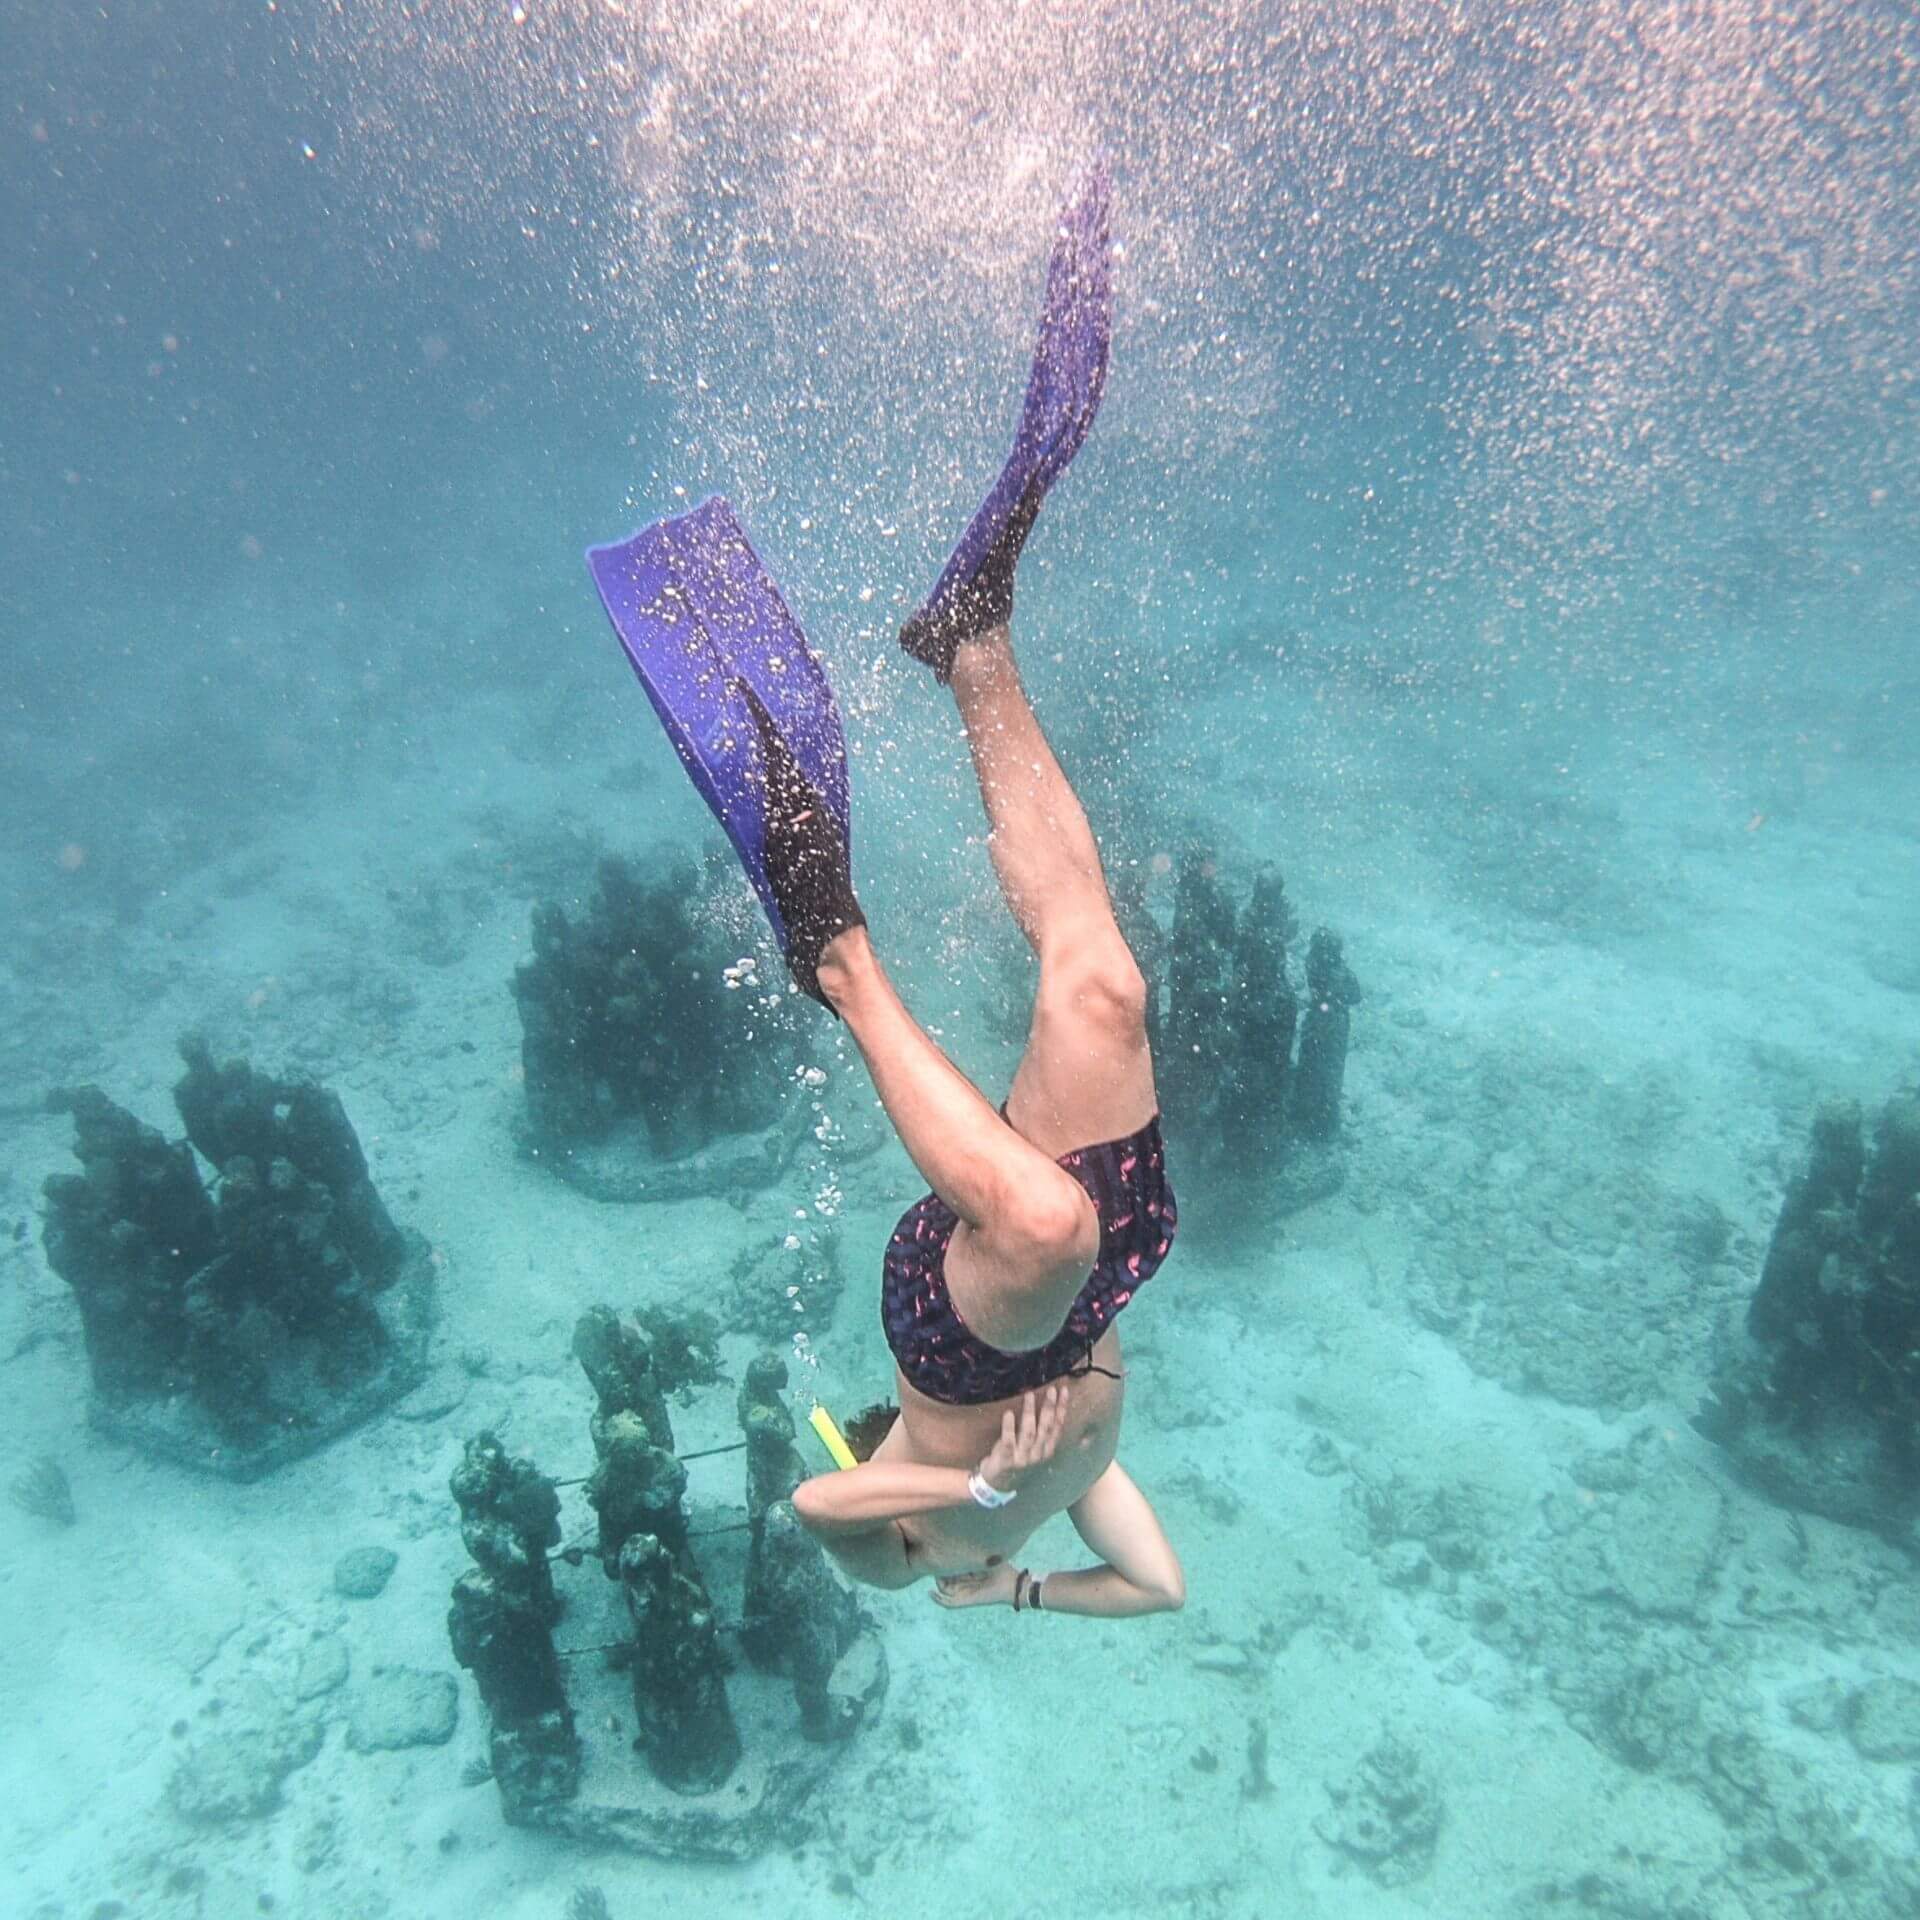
pixel 1426 1452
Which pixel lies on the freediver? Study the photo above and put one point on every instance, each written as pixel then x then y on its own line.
pixel 1000 1288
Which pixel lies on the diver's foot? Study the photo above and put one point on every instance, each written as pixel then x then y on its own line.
pixel 806 856
pixel 986 667
pixel 979 603
pixel 846 962
pixel 974 593
pixel 992 1587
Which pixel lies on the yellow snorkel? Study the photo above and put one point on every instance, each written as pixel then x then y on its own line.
pixel 831 1438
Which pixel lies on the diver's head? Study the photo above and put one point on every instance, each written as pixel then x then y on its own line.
pixel 867 1429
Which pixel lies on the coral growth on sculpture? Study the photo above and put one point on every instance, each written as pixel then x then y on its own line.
pixel 1249 1045
pixel 648 1070
pixel 237 1327
pixel 1817 1396
pixel 667 1722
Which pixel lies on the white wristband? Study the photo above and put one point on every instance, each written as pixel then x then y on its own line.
pixel 987 1495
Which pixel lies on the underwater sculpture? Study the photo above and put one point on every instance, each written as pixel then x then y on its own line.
pixel 627 1734
pixel 796 1617
pixel 1224 1015
pixel 656 1063
pixel 1332 992
pixel 616 1355
pixel 509 1520
pixel 502 1617
pixel 235 1332
pixel 687 1729
pixel 1817 1396
pixel 774 1466
pixel 635 1488
pixel 638 1058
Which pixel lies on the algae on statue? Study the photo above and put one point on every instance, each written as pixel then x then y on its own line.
pixel 687 1730
pixel 235 1332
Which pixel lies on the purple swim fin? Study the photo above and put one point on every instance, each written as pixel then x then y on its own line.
pixel 975 590
pixel 746 703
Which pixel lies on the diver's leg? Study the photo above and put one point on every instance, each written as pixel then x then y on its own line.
pixel 1140 1572
pixel 1030 1229
pixel 1042 848
pixel 1086 1076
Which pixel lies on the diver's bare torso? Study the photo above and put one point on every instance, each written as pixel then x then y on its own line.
pixel 968 1539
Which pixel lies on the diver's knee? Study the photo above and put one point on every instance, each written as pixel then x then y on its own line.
pixel 1050 1226
pixel 1098 982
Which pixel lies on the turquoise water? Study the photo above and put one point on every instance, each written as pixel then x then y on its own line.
pixel 1502 520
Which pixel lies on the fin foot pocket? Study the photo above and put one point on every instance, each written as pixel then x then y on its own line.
pixel 745 702
pixel 974 594
pixel 806 855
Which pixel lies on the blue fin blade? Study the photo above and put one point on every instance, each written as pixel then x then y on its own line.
pixel 698 614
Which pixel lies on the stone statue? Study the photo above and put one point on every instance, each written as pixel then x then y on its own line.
pixel 687 1730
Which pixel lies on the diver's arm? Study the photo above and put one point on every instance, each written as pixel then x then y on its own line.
pixel 876 1494
pixel 879 1492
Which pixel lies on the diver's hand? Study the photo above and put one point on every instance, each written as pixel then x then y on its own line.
pixel 1028 1436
